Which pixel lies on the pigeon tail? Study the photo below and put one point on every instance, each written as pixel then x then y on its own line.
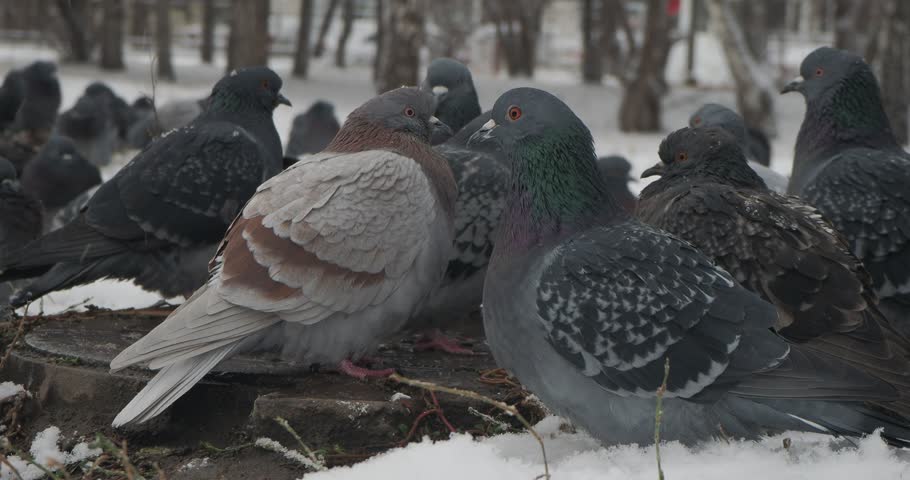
pixel 169 384
pixel 75 242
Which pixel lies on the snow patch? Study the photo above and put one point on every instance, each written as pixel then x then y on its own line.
pixel 45 451
pixel 10 389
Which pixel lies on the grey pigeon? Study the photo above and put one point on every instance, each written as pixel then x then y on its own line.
pixel 159 219
pixel 615 170
pixel 482 180
pixel 754 143
pixel 453 87
pixel 849 166
pixel 36 114
pixel 776 246
pixel 12 91
pixel 58 174
pixel 21 219
pixel 91 126
pixel 326 259
pixel 143 123
pixel 586 307
pixel 119 111
pixel 312 130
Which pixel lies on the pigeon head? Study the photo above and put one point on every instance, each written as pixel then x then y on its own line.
pixel 452 87
pixel 322 108
pixel 716 115
pixel 405 111
pixel 143 103
pixel 555 183
pixel 826 70
pixel 614 167
pixel 710 152
pixel 7 170
pixel 40 71
pixel 99 89
pixel 256 88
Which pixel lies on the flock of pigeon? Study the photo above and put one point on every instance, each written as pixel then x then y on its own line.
pixel 775 304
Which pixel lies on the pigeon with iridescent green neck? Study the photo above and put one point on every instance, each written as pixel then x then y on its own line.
pixel 849 165
pixel 586 307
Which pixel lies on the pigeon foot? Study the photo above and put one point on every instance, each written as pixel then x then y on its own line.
pixel 436 340
pixel 349 368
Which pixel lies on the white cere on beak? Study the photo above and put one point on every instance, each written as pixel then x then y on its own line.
pixel 798 79
pixel 434 120
pixel 489 125
pixel 439 90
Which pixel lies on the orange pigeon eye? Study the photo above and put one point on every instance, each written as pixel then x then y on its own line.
pixel 682 157
pixel 514 113
pixel 265 84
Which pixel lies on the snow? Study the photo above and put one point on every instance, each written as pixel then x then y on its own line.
pixel 577 456
pixel 9 389
pixel 45 451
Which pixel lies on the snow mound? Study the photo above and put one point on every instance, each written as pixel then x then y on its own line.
pixel 45 451
pixel 576 456
pixel 9 389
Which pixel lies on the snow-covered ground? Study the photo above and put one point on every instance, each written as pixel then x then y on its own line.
pixel 576 456
pixel 571 455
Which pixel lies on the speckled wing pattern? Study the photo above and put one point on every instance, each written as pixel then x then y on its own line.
pixel 482 189
pixel 618 313
pixel 184 188
pixel 774 245
pixel 865 194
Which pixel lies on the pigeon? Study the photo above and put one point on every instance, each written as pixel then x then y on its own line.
pixel 36 115
pixel 482 180
pixel 850 167
pixel 754 143
pixel 11 93
pixel 312 130
pixel 451 83
pixel 21 218
pixel 326 258
pixel 441 133
pixel 776 246
pixel 178 113
pixel 143 124
pixel 588 307
pixel 58 174
pixel 91 126
pixel 159 219
pixel 120 113
pixel 615 171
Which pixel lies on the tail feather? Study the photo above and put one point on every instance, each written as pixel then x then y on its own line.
pixel 847 419
pixel 169 384
pixel 76 242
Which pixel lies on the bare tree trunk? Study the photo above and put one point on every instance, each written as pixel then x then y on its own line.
pixel 612 55
pixel 380 34
pixel 403 27
pixel 319 49
pixel 640 109
pixel 302 52
pixel 690 44
pixel 139 15
pixel 207 46
pixel 753 16
pixel 591 32
pixel 754 88
pixel 112 35
pixel 894 66
pixel 249 37
pixel 518 24
pixel 163 40
pixel 76 16
pixel 347 23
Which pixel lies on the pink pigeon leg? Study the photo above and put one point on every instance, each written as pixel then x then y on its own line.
pixel 349 368
pixel 436 340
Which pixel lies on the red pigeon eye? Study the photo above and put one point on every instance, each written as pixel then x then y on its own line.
pixel 408 111
pixel 696 121
pixel 514 113
pixel 819 71
pixel 682 157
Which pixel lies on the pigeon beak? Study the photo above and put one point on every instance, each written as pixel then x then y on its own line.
pixel 484 133
pixel 282 100
pixel 794 86
pixel 440 131
pixel 657 169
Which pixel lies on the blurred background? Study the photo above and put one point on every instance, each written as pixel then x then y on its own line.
pixel 633 70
